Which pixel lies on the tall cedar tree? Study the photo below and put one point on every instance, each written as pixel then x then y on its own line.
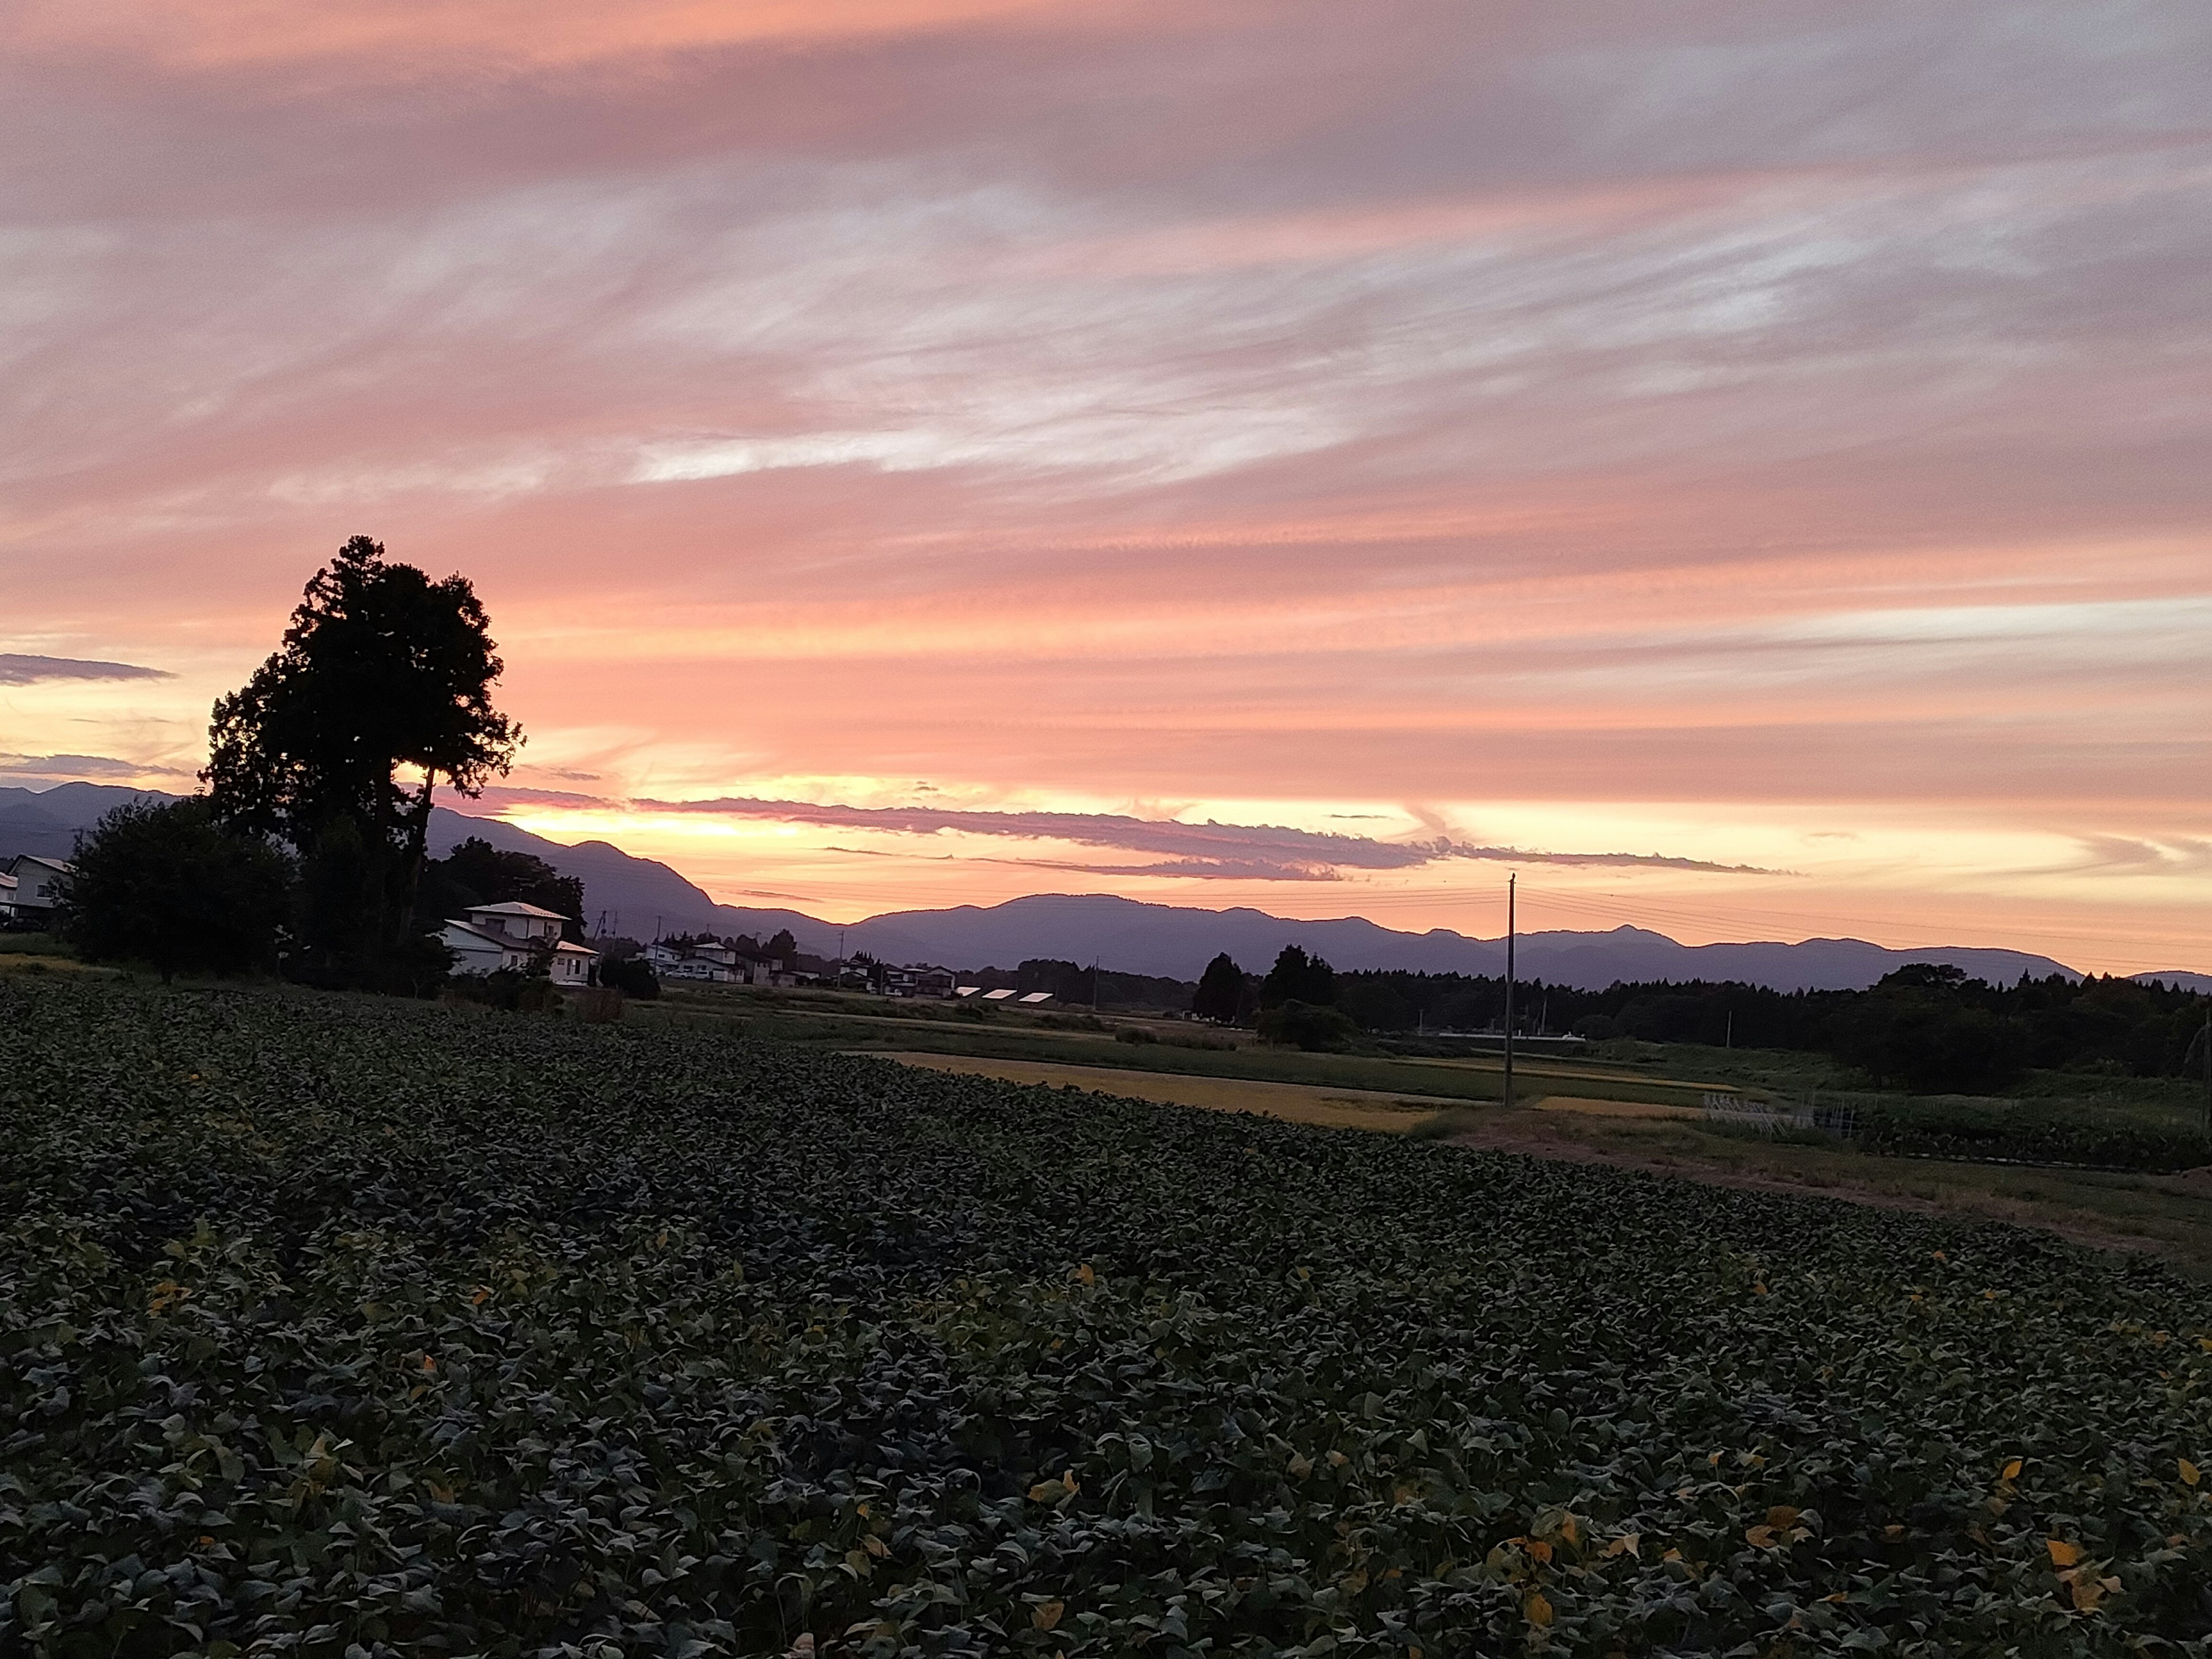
pixel 382 687
pixel 165 884
pixel 1297 977
pixel 1221 993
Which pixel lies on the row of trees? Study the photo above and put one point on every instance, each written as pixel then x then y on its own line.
pixel 1927 1027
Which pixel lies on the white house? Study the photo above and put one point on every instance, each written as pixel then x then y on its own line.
pixel 516 936
pixel 36 885
pixel 707 960
pixel 6 896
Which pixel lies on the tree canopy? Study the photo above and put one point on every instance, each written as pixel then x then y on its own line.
pixel 1221 993
pixel 476 873
pixel 380 689
pixel 1297 977
pixel 167 885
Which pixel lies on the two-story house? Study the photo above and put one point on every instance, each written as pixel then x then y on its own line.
pixel 517 936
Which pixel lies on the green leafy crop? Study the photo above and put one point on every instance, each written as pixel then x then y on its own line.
pixel 339 1326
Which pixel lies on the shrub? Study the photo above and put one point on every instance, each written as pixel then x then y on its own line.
pixel 163 884
pixel 1306 1026
pixel 1134 1034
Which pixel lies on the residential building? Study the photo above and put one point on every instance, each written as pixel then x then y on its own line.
pixel 706 960
pixel 518 937
pixel 37 886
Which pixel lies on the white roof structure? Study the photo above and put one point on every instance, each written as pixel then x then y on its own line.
pixel 1034 997
pixel 998 996
pixel 516 908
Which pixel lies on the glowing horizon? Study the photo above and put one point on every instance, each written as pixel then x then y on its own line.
pixel 1719 438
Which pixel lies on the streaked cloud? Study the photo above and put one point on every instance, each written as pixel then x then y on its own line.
pixel 19 670
pixel 1211 850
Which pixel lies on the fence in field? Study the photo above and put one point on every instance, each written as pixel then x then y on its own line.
pixel 1774 1116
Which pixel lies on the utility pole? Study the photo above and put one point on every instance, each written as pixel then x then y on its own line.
pixel 1730 1042
pixel 1509 881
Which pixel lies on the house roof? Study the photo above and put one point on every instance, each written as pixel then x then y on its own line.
pixel 57 865
pixel 501 940
pixel 515 908
pixel 509 942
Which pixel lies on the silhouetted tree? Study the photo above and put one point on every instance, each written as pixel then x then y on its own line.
pixel 167 885
pixel 1221 993
pixel 1307 1026
pixel 1297 977
pixel 381 688
pixel 476 873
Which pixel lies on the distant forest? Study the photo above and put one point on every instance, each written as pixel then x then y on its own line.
pixel 1925 1028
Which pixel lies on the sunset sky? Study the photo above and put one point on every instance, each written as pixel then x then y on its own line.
pixel 1746 467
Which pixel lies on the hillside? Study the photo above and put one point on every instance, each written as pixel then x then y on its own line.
pixel 643 898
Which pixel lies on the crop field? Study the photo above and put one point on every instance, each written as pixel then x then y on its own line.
pixel 337 1327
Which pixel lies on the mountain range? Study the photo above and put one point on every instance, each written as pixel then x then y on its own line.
pixel 643 898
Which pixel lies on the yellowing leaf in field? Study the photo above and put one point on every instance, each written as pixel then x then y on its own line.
pixel 2189 1473
pixel 1629 1543
pixel 2087 1594
pixel 1337 1460
pixel 429 1364
pixel 1838 1598
pixel 1759 1538
pixel 1569 1531
pixel 1087 1276
pixel 1044 1492
pixel 443 1494
pixel 2012 1470
pixel 1301 1467
pixel 875 1546
pixel 1781 1517
pixel 1538 1610
pixel 2063 1554
pixel 1538 1550
pixel 1047 1614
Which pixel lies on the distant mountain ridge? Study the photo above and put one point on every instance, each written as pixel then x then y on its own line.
pixel 642 897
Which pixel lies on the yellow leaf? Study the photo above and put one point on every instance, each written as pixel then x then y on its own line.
pixel 1337 1460
pixel 2012 1470
pixel 1538 1550
pixel 1569 1531
pixel 1629 1543
pixel 1760 1290
pixel 2063 1554
pixel 1838 1596
pixel 1538 1609
pixel 2189 1473
pixel 1781 1517
pixel 1044 1492
pixel 875 1546
pixel 1085 1274
pixel 443 1494
pixel 2086 1593
pixel 1046 1615
pixel 1759 1538
pixel 1301 1467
